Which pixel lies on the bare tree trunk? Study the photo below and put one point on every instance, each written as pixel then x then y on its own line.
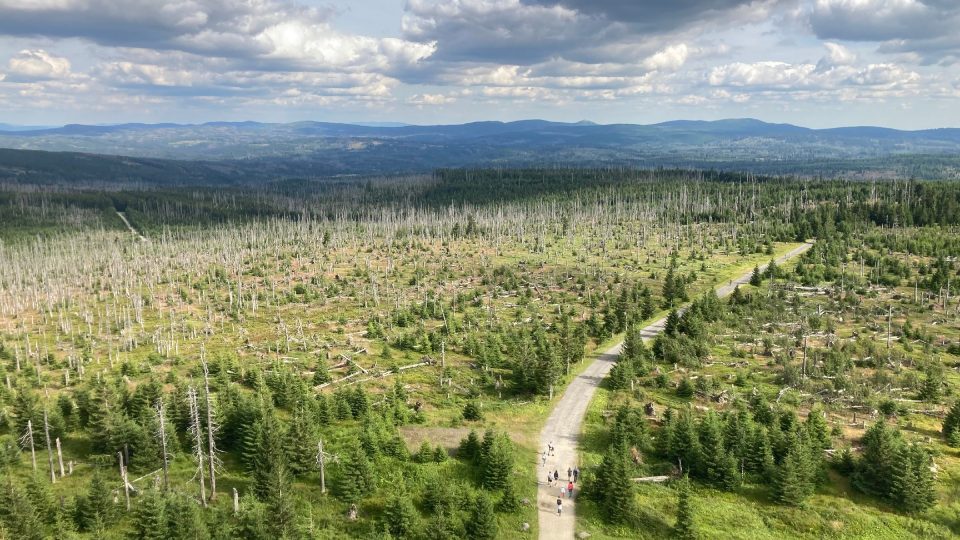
pixel 46 433
pixel 211 446
pixel 33 451
pixel 804 357
pixel 60 458
pixel 123 478
pixel 322 462
pixel 889 320
pixel 197 431
pixel 162 435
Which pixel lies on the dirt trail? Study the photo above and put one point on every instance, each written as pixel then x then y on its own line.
pixel 563 426
pixel 126 222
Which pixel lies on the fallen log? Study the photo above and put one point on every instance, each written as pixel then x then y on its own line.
pixel 652 479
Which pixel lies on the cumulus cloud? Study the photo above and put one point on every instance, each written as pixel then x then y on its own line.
pixel 459 53
pixel 837 55
pixel 431 99
pixel 216 48
pixel 827 78
pixel 669 58
pixel 837 68
pixel 761 74
pixel 37 64
pixel 265 30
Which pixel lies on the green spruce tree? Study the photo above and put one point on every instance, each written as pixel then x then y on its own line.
pixel 951 425
pixel 300 444
pixel 18 514
pixel 497 463
pixel 759 454
pixel 185 520
pixel 469 449
pixel 356 476
pixel 150 519
pixel 614 486
pixel 791 481
pixel 482 524
pixel 719 466
pixel 913 487
pixel 685 528
pixel 321 374
pixel 400 517
pixel 509 502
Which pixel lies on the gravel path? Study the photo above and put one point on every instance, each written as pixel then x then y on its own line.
pixel 563 426
pixel 126 222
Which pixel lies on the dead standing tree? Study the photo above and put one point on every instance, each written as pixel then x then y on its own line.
pixel 214 461
pixel 27 439
pixel 196 433
pixel 322 459
pixel 162 439
pixel 46 433
pixel 123 478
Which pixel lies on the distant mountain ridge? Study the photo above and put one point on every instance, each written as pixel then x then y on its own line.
pixel 742 126
pixel 15 127
pixel 311 148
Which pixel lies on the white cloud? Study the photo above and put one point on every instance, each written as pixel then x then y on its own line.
pixel 468 56
pixel 820 81
pixel 130 73
pixel 670 58
pixel 837 55
pixel 692 99
pixel 768 74
pixel 277 34
pixel 431 99
pixel 38 64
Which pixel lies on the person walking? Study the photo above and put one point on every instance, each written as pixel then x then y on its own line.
pixel 576 474
pixel 563 491
pixel 549 479
pixel 556 475
pixel 570 490
pixel 569 473
pixel 559 507
pixel 543 459
pixel 550 447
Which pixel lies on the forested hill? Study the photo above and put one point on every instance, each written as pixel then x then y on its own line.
pixel 77 169
pixel 324 149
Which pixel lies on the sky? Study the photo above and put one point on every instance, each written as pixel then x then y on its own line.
pixel 817 63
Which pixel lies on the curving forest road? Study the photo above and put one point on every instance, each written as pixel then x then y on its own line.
pixel 563 426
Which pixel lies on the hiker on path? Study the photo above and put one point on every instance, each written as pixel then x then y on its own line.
pixel 556 475
pixel 549 479
pixel 559 507
pixel 569 473
pixel 576 474
pixel 550 447
pixel 543 459
pixel 563 491
pixel 570 490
